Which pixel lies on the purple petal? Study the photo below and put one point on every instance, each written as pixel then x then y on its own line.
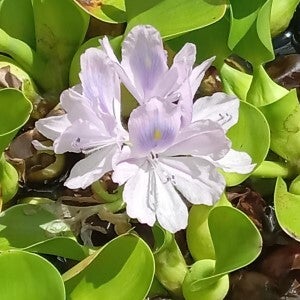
pixel 144 59
pixel 205 184
pixel 99 80
pixel 82 136
pixel 219 107
pixel 52 127
pixel 198 74
pixel 202 138
pixel 153 126
pixel 91 168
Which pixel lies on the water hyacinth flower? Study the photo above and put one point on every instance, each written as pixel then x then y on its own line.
pixel 168 161
pixel 145 73
pixel 92 122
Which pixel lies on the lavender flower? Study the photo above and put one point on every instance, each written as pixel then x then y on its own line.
pixel 92 122
pixel 168 161
pixel 145 73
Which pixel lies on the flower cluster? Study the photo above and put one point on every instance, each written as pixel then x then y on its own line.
pixel 172 148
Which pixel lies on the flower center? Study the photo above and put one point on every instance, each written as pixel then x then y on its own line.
pixel 157 135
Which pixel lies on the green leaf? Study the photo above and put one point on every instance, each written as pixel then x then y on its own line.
pixel 283 118
pixel 237 232
pixel 235 82
pixel 14 113
pixel 287 209
pixel 174 17
pixel 200 269
pixel 16 19
pixel 210 40
pixel 250 25
pixel 28 276
pixel 197 232
pixel 263 90
pixel 110 11
pixel 30 227
pixel 170 265
pixel 252 127
pixel 123 266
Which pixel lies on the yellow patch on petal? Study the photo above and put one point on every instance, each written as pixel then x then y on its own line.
pixel 157 135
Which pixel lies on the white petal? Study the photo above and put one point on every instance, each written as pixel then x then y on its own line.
pixel 219 107
pixel 235 161
pixel 201 138
pixel 52 127
pixel 137 195
pixel 198 74
pixel 171 212
pixel 91 168
pixel 39 146
pixel 81 136
pixel 197 179
pixel 99 80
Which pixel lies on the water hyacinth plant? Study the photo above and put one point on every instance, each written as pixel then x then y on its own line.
pixel 170 142
pixel 165 165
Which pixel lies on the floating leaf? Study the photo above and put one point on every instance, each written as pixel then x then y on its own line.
pixel 28 276
pixel 30 227
pixel 237 243
pixel 125 265
pixel 170 266
pixel 181 16
pixel 250 25
pixel 15 110
pixel 111 11
pixel 287 209
pixel 210 41
pixel 252 126
pixel 16 19
pixel 283 118
pixel 197 233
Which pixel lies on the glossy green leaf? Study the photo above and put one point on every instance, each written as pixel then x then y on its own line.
pixel 236 233
pixel 30 227
pixel 200 269
pixel 111 11
pixel 250 25
pixel 197 232
pixel 287 209
pixel 16 19
pixel 15 110
pixel 283 117
pixel 210 41
pixel 235 82
pixel 123 267
pixel 170 265
pixel 252 126
pixel 174 17
pixel 28 276
pixel 60 28
pixel 263 90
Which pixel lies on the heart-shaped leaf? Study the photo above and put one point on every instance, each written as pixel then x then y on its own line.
pixel 30 227
pixel 287 209
pixel 252 126
pixel 250 25
pixel 122 268
pixel 237 242
pixel 14 113
pixel 28 276
pixel 182 16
